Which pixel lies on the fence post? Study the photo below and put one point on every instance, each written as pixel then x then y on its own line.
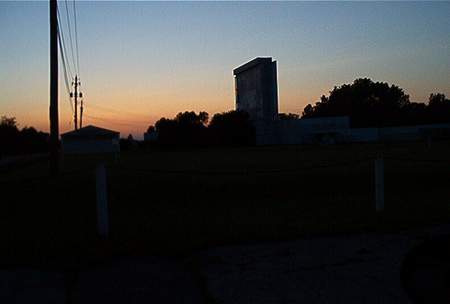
pixel 102 202
pixel 379 183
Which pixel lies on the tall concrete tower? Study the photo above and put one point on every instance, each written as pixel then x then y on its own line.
pixel 257 94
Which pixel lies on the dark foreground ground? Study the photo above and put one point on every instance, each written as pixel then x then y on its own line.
pixel 362 268
pixel 172 204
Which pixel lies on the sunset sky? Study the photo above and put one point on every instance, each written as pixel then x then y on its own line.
pixel 143 60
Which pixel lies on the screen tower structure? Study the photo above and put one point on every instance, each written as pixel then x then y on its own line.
pixel 257 94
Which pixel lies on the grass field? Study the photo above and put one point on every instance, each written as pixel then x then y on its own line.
pixel 176 201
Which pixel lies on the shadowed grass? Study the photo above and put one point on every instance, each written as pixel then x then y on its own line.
pixel 176 201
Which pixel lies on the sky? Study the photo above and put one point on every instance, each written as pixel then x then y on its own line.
pixel 140 61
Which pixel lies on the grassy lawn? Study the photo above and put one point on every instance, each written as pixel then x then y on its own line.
pixel 176 201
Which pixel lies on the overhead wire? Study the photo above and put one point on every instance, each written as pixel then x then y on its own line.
pixel 63 42
pixel 66 81
pixel 70 36
pixel 76 37
pixel 113 121
pixel 77 55
pixel 70 65
pixel 64 61
pixel 111 110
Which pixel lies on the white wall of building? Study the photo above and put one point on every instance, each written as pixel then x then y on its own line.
pixel 91 146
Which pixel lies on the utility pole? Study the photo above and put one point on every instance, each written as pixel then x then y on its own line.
pixel 81 114
pixel 76 94
pixel 76 102
pixel 53 111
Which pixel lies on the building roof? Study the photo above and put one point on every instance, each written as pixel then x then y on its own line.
pixel 90 132
pixel 251 64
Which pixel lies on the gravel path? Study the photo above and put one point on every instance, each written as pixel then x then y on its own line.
pixel 356 269
pixel 126 281
pixel 353 269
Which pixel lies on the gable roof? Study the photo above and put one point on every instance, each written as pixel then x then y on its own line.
pixel 90 132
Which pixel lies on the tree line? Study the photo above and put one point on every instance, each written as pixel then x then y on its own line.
pixel 365 102
pixel 232 128
pixel 378 104
pixel 14 141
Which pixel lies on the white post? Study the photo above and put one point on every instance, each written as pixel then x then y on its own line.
pixel 379 183
pixel 102 202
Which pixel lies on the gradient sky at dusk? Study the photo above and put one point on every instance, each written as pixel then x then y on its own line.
pixel 143 60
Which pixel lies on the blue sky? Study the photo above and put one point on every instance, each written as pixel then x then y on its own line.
pixel 143 60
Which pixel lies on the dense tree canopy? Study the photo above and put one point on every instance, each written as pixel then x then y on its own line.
pixel 15 141
pixel 367 103
pixel 378 104
pixel 231 128
pixel 189 128
pixel 438 109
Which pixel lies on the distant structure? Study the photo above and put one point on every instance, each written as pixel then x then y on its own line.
pixel 323 130
pixel 257 94
pixel 90 140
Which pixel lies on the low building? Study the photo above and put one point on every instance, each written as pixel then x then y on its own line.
pixel 401 133
pixel 90 140
pixel 323 130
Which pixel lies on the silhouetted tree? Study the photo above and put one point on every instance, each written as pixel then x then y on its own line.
pixel 414 113
pixel 187 128
pixel 367 103
pixel 127 143
pixel 8 123
pixel 232 128
pixel 438 108
pixel 33 141
pixel 308 110
pixel 15 141
pixel 9 135
pixel 437 99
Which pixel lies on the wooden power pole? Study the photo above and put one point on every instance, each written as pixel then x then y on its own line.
pixel 76 103
pixel 77 94
pixel 81 114
pixel 54 119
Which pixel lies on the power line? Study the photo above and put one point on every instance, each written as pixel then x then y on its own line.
pixel 70 36
pixel 63 55
pixel 62 41
pixel 66 81
pixel 107 109
pixel 76 37
pixel 113 121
